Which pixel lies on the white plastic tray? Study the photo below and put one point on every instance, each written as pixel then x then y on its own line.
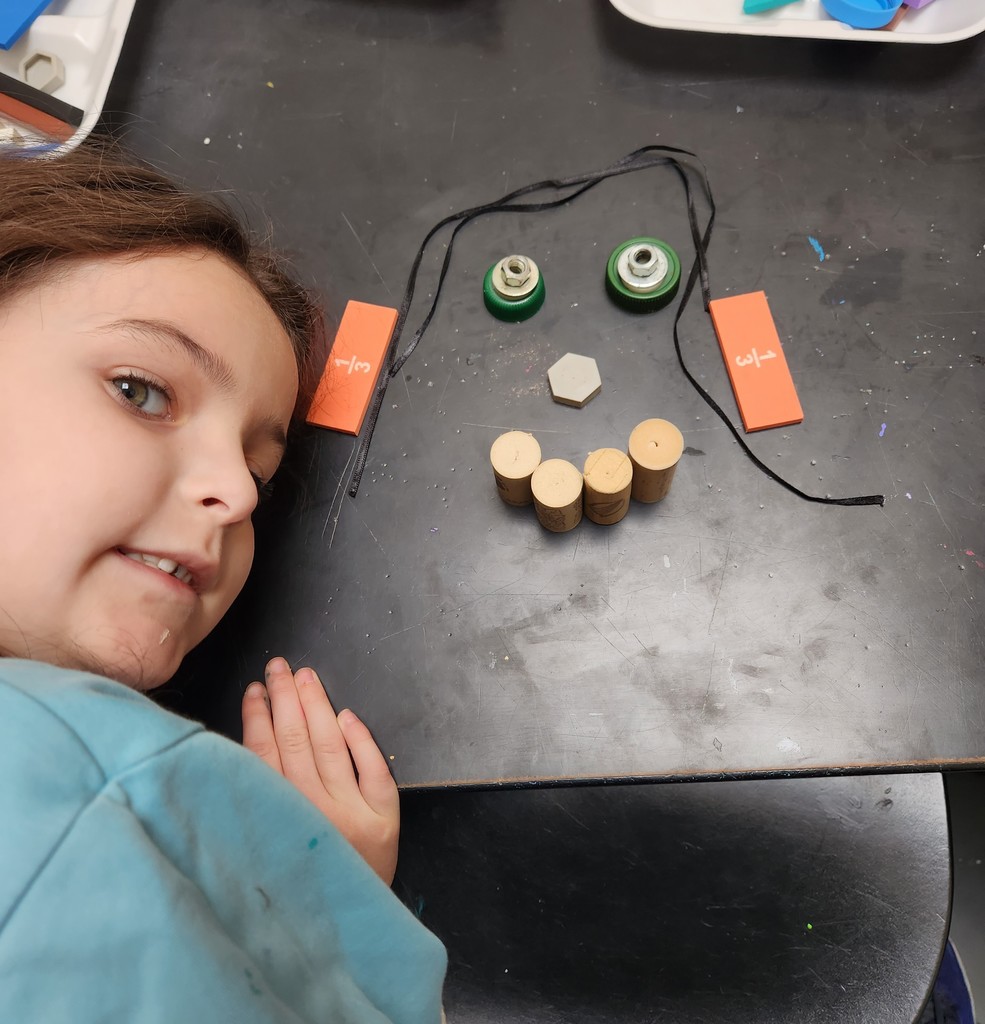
pixel 943 21
pixel 87 35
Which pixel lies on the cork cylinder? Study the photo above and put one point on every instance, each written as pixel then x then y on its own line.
pixel 608 482
pixel 557 489
pixel 655 448
pixel 514 457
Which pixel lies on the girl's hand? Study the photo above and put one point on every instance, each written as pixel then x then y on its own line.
pixel 332 759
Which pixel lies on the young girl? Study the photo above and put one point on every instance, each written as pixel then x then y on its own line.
pixel 152 361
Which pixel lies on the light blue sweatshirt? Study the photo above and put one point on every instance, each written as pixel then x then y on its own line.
pixel 154 872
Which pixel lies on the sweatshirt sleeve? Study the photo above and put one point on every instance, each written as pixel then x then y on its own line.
pixel 186 881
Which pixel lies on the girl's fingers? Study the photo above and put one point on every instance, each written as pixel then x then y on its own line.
pixel 331 754
pixel 290 725
pixel 375 781
pixel 258 728
pixel 333 760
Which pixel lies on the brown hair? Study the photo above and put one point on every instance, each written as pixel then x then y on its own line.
pixel 99 200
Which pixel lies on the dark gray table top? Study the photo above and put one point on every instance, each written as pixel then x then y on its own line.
pixel 733 628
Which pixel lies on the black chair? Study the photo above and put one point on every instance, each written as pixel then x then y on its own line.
pixel 747 902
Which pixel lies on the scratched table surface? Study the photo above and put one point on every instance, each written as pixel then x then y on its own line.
pixel 734 627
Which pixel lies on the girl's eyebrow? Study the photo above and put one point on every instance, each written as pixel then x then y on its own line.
pixel 216 369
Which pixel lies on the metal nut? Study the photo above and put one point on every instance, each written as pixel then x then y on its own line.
pixel 642 268
pixel 515 277
pixel 515 271
pixel 643 261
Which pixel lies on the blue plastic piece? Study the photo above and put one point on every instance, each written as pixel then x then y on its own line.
pixel 16 17
pixel 863 13
pixel 951 996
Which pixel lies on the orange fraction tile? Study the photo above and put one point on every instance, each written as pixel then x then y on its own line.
pixel 347 383
pixel 38 110
pixel 764 389
pixel 25 114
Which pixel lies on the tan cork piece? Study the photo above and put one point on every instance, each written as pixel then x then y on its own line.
pixel 514 457
pixel 557 489
pixel 608 483
pixel 655 448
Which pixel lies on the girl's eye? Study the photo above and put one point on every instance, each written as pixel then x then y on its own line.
pixel 149 398
pixel 264 490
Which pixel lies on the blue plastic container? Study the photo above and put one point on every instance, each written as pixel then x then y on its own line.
pixel 863 13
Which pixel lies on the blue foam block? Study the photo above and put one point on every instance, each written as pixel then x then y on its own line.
pixel 16 17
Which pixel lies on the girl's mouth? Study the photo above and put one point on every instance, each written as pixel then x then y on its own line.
pixel 166 565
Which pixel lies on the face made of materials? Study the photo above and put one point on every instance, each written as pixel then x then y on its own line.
pixel 141 402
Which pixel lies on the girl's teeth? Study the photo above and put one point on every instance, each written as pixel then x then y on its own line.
pixel 168 565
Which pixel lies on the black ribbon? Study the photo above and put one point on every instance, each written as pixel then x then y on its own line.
pixel 639 160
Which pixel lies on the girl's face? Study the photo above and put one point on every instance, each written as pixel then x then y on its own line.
pixel 141 401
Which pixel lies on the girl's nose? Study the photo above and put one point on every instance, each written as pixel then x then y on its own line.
pixel 221 481
pixel 235 507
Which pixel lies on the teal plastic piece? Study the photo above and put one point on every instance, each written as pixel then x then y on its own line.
pixel 16 17
pixel 863 13
pixel 758 6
